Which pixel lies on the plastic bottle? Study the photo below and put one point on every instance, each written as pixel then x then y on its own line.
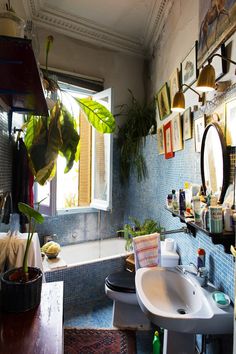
pixel 175 204
pixel 182 203
pixel 197 209
pixel 156 344
pixel 228 218
pixel 201 258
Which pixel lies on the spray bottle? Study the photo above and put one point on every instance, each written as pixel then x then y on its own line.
pixel 156 344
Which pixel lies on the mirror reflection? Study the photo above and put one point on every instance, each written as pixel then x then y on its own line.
pixel 214 162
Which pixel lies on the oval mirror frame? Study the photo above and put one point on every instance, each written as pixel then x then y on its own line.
pixel 225 158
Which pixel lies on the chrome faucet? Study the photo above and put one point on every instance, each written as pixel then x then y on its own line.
pixel 201 274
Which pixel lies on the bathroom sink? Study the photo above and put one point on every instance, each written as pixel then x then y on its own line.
pixel 176 302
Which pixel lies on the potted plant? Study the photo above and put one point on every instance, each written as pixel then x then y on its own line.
pixel 47 137
pixel 21 287
pixel 10 24
pixel 136 228
pixel 141 121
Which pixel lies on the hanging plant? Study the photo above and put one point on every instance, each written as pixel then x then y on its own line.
pixel 141 121
pixel 46 137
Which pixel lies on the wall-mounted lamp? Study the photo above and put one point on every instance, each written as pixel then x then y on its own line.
pixel 207 76
pixel 178 104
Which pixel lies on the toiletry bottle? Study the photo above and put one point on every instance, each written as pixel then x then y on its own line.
pixel 169 201
pixel 175 204
pixel 182 204
pixel 215 219
pixel 228 218
pixel 201 254
pixel 156 344
pixel 197 209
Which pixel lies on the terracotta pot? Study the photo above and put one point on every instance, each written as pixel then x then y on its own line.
pixel 18 295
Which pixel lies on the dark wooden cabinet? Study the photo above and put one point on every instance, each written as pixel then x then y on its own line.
pixel 38 331
pixel 20 85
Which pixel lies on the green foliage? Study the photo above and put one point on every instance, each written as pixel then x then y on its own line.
pixel 131 137
pixel 46 137
pixel 98 116
pixel 136 228
pixel 34 217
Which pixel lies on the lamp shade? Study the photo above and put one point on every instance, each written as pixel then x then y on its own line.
pixel 206 79
pixel 178 104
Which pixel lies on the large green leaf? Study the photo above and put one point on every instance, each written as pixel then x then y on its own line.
pixel 98 115
pixel 70 139
pixel 30 212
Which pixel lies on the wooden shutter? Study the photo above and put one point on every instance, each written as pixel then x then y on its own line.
pixel 85 161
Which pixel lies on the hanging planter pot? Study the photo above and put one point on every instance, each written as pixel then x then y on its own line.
pixel 18 295
pixel 11 25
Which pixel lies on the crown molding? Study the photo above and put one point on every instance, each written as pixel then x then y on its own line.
pixel 88 31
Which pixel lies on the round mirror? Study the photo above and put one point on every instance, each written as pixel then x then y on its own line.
pixel 214 162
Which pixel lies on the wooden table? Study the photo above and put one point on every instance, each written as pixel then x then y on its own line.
pixel 38 331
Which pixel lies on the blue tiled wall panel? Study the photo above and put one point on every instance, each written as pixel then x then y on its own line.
pixel 147 199
pixel 85 283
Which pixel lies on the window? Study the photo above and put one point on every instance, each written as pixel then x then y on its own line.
pixel 88 183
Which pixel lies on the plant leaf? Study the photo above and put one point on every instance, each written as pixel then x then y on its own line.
pixel 30 212
pixel 98 115
pixel 70 139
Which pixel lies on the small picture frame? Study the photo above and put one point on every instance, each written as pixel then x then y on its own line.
pixel 189 71
pixel 218 63
pixel 177 133
pixel 174 84
pixel 160 140
pixel 168 140
pixel 163 102
pixel 230 122
pixel 199 126
pixel 187 124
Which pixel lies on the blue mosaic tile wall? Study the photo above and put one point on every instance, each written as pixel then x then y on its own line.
pixel 85 283
pixel 147 200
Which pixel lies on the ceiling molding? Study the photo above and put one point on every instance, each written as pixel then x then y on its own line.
pixel 88 31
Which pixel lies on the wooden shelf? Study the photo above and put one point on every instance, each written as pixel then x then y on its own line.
pixel 20 85
pixel 225 238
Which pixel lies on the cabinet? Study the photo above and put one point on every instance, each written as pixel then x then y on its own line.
pixel 225 238
pixel 38 331
pixel 20 85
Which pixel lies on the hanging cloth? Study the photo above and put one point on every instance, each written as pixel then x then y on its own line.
pixel 22 186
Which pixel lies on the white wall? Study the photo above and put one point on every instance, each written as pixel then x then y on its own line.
pixel 120 71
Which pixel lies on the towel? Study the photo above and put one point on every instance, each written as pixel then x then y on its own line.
pixel 12 248
pixel 147 250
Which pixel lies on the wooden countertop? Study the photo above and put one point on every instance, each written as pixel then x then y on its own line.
pixel 38 331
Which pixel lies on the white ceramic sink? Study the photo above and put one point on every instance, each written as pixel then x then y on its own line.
pixel 176 302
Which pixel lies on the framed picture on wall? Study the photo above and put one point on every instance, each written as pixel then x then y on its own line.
pixel 163 102
pixel 189 70
pixel 174 84
pixel 217 21
pixel 187 124
pixel 199 126
pixel 168 140
pixel 177 133
pixel 160 140
pixel 230 122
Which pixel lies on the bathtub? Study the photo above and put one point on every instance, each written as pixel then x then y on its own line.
pixel 87 252
pixel 83 268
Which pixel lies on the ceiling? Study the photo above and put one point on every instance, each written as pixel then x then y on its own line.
pixel 131 26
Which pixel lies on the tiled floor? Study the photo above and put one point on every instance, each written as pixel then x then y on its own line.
pixel 100 316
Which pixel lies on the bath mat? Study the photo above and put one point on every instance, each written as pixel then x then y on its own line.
pixel 99 341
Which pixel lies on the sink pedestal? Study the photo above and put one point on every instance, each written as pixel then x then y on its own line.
pixel 178 343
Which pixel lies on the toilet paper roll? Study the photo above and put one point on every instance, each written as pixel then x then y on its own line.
pixel 169 244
